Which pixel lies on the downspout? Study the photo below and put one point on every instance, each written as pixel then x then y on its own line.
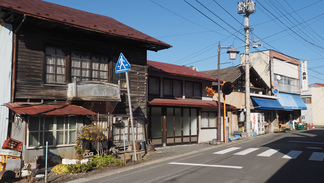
pixel 14 60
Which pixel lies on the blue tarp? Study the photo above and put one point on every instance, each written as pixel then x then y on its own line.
pixel 266 104
pixel 291 102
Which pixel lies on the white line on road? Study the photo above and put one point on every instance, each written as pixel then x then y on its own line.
pixel 268 153
pixel 226 150
pixel 317 156
pixel 206 165
pixel 292 154
pixel 246 151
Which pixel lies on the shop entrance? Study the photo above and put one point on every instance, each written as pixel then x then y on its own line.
pixel 171 125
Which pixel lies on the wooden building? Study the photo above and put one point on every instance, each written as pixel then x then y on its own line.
pixel 180 112
pixel 60 58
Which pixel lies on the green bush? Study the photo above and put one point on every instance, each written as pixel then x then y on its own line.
pixel 60 168
pixel 99 161
pixel 78 168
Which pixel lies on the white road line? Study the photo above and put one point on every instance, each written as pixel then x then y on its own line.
pixel 206 165
pixel 246 151
pixel 226 150
pixel 268 153
pixel 292 154
pixel 317 156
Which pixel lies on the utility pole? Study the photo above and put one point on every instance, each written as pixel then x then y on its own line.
pixel 247 8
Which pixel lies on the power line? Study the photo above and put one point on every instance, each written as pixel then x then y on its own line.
pixel 291 29
pixel 212 20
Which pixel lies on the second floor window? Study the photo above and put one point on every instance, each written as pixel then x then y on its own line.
pixel 154 86
pixel 55 61
pixel 172 87
pixel 84 66
pixel 89 67
pixel 193 90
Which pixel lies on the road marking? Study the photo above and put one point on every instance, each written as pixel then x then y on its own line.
pixel 317 156
pixel 292 154
pixel 307 142
pixel 226 150
pixel 246 151
pixel 206 165
pixel 268 153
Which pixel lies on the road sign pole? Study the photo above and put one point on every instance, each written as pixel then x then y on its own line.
pixel 131 115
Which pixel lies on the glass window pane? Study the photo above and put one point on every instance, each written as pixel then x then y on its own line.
pixel 76 63
pixel 50 78
pixel 86 64
pixel 186 122
pixel 177 88
pixel 50 69
pixel 48 137
pixel 194 122
pixel 72 122
pixel 60 70
pixel 60 123
pixel 204 119
pixel 169 119
pixel 59 137
pixel 154 86
pixel 212 119
pixel 60 79
pixel 156 121
pixel 33 138
pixel 50 60
pixel 49 121
pixel 197 90
pixel 95 66
pixel 167 87
pixel 75 72
pixel 33 124
pixel 177 121
pixel 72 136
pixel 189 89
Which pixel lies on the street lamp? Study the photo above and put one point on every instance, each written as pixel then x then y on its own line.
pixel 232 54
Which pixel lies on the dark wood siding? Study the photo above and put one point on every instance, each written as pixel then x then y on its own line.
pixel 30 63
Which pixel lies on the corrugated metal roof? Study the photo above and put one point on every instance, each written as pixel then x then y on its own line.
pixel 177 70
pixel 49 110
pixel 228 74
pixel 188 103
pixel 77 18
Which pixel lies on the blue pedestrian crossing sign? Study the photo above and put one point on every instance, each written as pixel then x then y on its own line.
pixel 122 64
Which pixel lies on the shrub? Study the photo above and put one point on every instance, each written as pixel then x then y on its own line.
pixel 78 168
pixel 89 133
pixel 60 168
pixel 106 160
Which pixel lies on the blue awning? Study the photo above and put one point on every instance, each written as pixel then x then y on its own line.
pixel 266 104
pixel 291 102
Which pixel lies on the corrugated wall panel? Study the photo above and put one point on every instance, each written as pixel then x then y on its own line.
pixel 6 37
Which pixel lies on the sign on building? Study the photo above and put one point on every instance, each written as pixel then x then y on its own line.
pixel 304 75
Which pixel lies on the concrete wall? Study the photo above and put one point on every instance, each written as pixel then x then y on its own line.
pixel 260 62
pixel 318 105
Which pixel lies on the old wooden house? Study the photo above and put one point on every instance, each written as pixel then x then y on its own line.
pixel 180 112
pixel 58 73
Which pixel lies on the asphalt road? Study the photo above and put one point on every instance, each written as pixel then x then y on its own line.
pixel 281 157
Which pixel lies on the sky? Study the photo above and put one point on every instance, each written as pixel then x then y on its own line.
pixel 194 28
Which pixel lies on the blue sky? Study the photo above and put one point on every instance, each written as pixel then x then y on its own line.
pixel 194 28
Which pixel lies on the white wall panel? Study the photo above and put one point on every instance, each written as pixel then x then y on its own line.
pixel 6 37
